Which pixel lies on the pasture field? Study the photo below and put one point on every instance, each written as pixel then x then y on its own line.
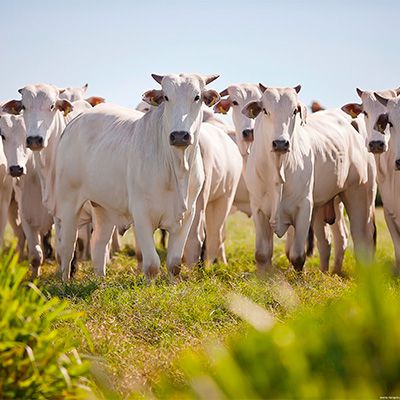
pixel 138 329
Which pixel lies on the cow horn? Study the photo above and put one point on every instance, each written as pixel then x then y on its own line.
pixel 224 93
pixel 297 88
pixel 262 87
pixel 157 78
pixel 359 92
pixel 381 99
pixel 210 78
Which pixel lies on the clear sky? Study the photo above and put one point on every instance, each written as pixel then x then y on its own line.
pixel 330 47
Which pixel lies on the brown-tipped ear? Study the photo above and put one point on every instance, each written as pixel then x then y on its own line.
pixel 94 100
pixel 252 109
pixel 382 122
pixel 157 78
pixel 353 109
pixel 211 97
pixel 297 88
pixel 64 106
pixel 359 92
pixel 13 107
pixel 223 106
pixel 210 78
pixel 302 110
pixel 262 87
pixel 381 99
pixel 224 93
pixel 153 97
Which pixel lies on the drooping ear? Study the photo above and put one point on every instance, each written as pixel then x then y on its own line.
pixel 211 97
pixel 297 88
pixel 302 110
pixel 153 97
pixel 13 107
pixel 382 122
pixel 381 99
pixel 262 87
pixel 94 100
pixel 64 106
pixel 359 92
pixel 157 78
pixel 223 106
pixel 353 109
pixel 252 109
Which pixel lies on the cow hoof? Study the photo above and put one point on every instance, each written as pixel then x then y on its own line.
pixel 152 271
pixel 174 270
pixel 298 263
pixel 35 267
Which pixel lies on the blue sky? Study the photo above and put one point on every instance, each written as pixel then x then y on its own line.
pixel 330 47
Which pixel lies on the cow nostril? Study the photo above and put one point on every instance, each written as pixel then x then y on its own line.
pixel 274 144
pixel 172 137
pixel 186 137
pixel 398 164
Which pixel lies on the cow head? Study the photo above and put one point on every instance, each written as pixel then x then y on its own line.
pixel 390 119
pixel 282 111
pixel 238 96
pixel 13 136
pixel 41 107
pixel 377 140
pixel 182 97
pixel 73 93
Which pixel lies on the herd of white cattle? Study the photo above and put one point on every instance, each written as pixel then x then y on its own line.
pixel 92 169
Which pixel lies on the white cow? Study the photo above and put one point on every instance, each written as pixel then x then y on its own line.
pixel 35 218
pixel 294 168
pixel 235 97
pixel 223 169
pixel 380 111
pixel 153 163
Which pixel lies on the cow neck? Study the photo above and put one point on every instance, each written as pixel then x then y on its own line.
pixel 45 158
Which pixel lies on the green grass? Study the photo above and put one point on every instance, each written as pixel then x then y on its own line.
pixel 139 330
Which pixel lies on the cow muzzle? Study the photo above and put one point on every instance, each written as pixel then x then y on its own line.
pixel 280 146
pixel 35 143
pixel 16 171
pixel 397 165
pixel 248 135
pixel 180 139
pixel 376 146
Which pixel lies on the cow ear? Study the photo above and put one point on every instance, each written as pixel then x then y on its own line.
pixel 382 123
pixel 94 100
pixel 297 88
pixel 353 109
pixel 302 110
pixel 64 106
pixel 381 99
pixel 223 106
pixel 13 107
pixel 153 97
pixel 211 97
pixel 252 109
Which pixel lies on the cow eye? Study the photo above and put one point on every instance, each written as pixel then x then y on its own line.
pixel 197 98
pixel 166 98
pixel 3 137
pixel 265 111
pixel 295 111
pixel 52 107
pixel 365 113
pixel 235 103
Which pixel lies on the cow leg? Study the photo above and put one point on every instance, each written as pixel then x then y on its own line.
pixel 67 236
pixel 216 215
pixel 340 237
pixel 323 239
pixel 301 227
pixel 358 210
pixel 103 228
pixel 395 234
pixel 195 239
pixel 13 217
pixel 176 245
pixel 35 252
pixel 289 241
pixel 144 230
pixel 264 242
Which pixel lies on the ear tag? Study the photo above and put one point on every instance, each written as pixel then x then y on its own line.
pixel 67 111
pixel 153 102
pixel 212 101
pixel 222 110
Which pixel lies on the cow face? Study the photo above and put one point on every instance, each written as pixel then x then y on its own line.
pixel 391 120
pixel 377 141
pixel 182 97
pixel 73 93
pixel 13 135
pixel 238 97
pixel 282 111
pixel 41 106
